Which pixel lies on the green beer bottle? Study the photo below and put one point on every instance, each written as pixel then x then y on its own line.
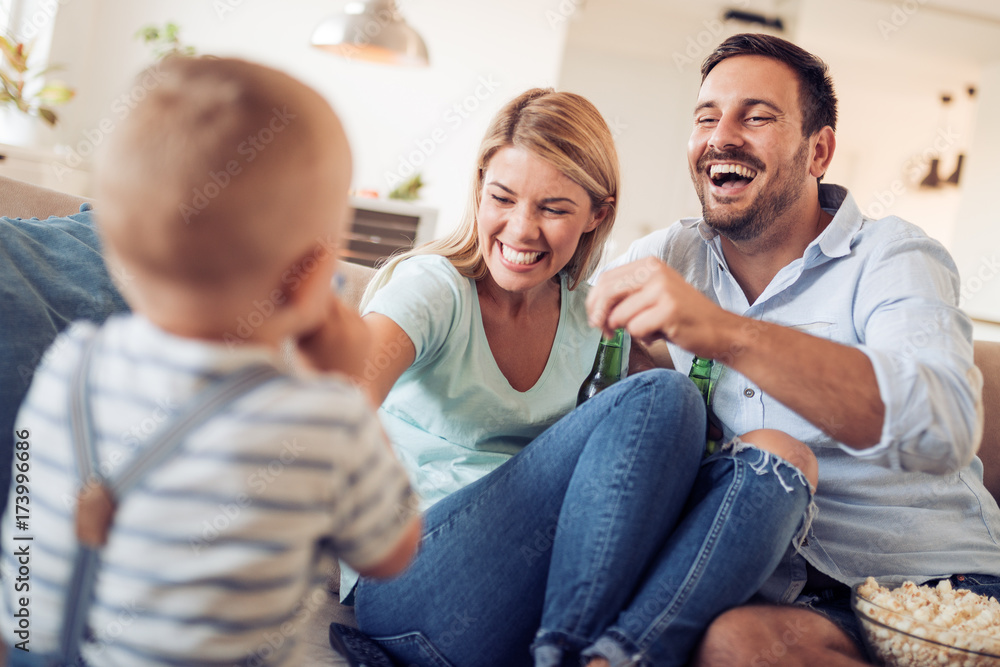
pixel 607 367
pixel 701 375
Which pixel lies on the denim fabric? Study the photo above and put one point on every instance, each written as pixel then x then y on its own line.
pixel 18 658
pixel 746 506
pixel 576 528
pixel 51 273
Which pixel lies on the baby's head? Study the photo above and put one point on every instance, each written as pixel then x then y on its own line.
pixel 222 194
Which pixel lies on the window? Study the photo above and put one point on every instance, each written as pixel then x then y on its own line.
pixel 6 14
pixel 32 22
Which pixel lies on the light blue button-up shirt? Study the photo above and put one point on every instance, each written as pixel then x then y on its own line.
pixel 913 506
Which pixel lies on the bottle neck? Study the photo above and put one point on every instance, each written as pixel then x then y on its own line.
pixel 609 356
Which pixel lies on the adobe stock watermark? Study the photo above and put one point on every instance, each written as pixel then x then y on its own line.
pixel 617 127
pixel 899 16
pixel 698 46
pixel 115 628
pixel 563 12
pixel 248 150
pixel 452 119
pixel 121 107
pixel 885 199
pixel 43 15
pixel 273 640
pixel 774 654
pixel 225 7
pixel 293 277
pixel 988 269
pixel 258 481
pixel 95 309
pixel 380 360
pixel 140 431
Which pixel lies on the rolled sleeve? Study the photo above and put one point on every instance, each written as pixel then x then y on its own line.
pixel 920 346
pixel 933 415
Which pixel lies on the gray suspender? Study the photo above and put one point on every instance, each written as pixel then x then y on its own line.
pixel 98 494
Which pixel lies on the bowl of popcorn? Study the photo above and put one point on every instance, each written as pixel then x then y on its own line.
pixel 914 626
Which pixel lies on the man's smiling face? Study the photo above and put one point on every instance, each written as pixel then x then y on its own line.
pixel 748 158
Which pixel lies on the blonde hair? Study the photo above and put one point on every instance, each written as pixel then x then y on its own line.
pixel 565 130
pixel 196 183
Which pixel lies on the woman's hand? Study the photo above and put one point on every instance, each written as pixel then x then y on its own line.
pixel 340 343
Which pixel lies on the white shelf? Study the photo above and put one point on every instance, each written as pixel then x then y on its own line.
pixel 47 168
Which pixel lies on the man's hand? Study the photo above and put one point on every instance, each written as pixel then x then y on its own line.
pixel 653 302
pixel 339 344
pixel 831 385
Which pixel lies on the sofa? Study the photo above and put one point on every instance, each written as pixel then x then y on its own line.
pixel 21 200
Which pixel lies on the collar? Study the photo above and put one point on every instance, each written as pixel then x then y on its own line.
pixel 836 239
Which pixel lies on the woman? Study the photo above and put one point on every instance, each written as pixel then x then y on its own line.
pixel 578 533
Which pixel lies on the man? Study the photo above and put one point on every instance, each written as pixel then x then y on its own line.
pixel 842 331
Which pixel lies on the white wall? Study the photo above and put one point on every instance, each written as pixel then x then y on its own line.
pixel 890 69
pixel 655 186
pixel 977 245
pixel 641 70
pixel 638 60
pixel 482 54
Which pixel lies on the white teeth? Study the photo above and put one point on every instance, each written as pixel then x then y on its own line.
pixel 738 169
pixel 517 257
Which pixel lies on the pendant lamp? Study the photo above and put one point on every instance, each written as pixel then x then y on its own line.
pixel 373 31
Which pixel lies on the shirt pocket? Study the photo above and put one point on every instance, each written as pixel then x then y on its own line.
pixel 815 328
pixel 820 328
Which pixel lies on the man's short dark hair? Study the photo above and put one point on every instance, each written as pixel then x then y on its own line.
pixel 816 95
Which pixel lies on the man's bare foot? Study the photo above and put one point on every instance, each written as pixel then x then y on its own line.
pixel 599 662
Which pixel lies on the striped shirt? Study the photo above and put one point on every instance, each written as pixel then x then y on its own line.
pixel 212 555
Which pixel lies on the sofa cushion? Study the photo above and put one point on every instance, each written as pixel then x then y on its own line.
pixel 51 273
pixel 988 360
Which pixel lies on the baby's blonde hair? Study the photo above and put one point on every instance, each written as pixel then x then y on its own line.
pixel 568 132
pixel 199 182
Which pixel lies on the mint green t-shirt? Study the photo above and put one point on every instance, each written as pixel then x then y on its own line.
pixel 452 416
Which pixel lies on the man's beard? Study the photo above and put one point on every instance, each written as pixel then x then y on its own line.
pixel 767 207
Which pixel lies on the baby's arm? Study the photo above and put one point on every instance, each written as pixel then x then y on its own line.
pixel 373 351
pixel 400 556
pixel 376 519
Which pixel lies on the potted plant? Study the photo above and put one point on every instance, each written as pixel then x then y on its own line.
pixel 164 41
pixel 24 92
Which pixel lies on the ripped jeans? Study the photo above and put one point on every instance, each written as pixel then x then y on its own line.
pixel 607 535
pixel 745 508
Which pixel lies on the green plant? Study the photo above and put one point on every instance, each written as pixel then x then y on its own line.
pixel 409 189
pixel 24 87
pixel 164 41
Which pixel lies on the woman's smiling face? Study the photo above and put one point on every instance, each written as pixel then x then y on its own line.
pixel 530 219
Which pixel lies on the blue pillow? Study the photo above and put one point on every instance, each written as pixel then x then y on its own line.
pixel 51 273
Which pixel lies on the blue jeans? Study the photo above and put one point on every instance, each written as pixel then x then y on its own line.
pixel 608 535
pixel 18 658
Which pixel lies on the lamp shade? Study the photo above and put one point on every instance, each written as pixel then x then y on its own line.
pixel 373 31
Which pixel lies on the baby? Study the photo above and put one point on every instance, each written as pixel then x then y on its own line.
pixel 182 487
